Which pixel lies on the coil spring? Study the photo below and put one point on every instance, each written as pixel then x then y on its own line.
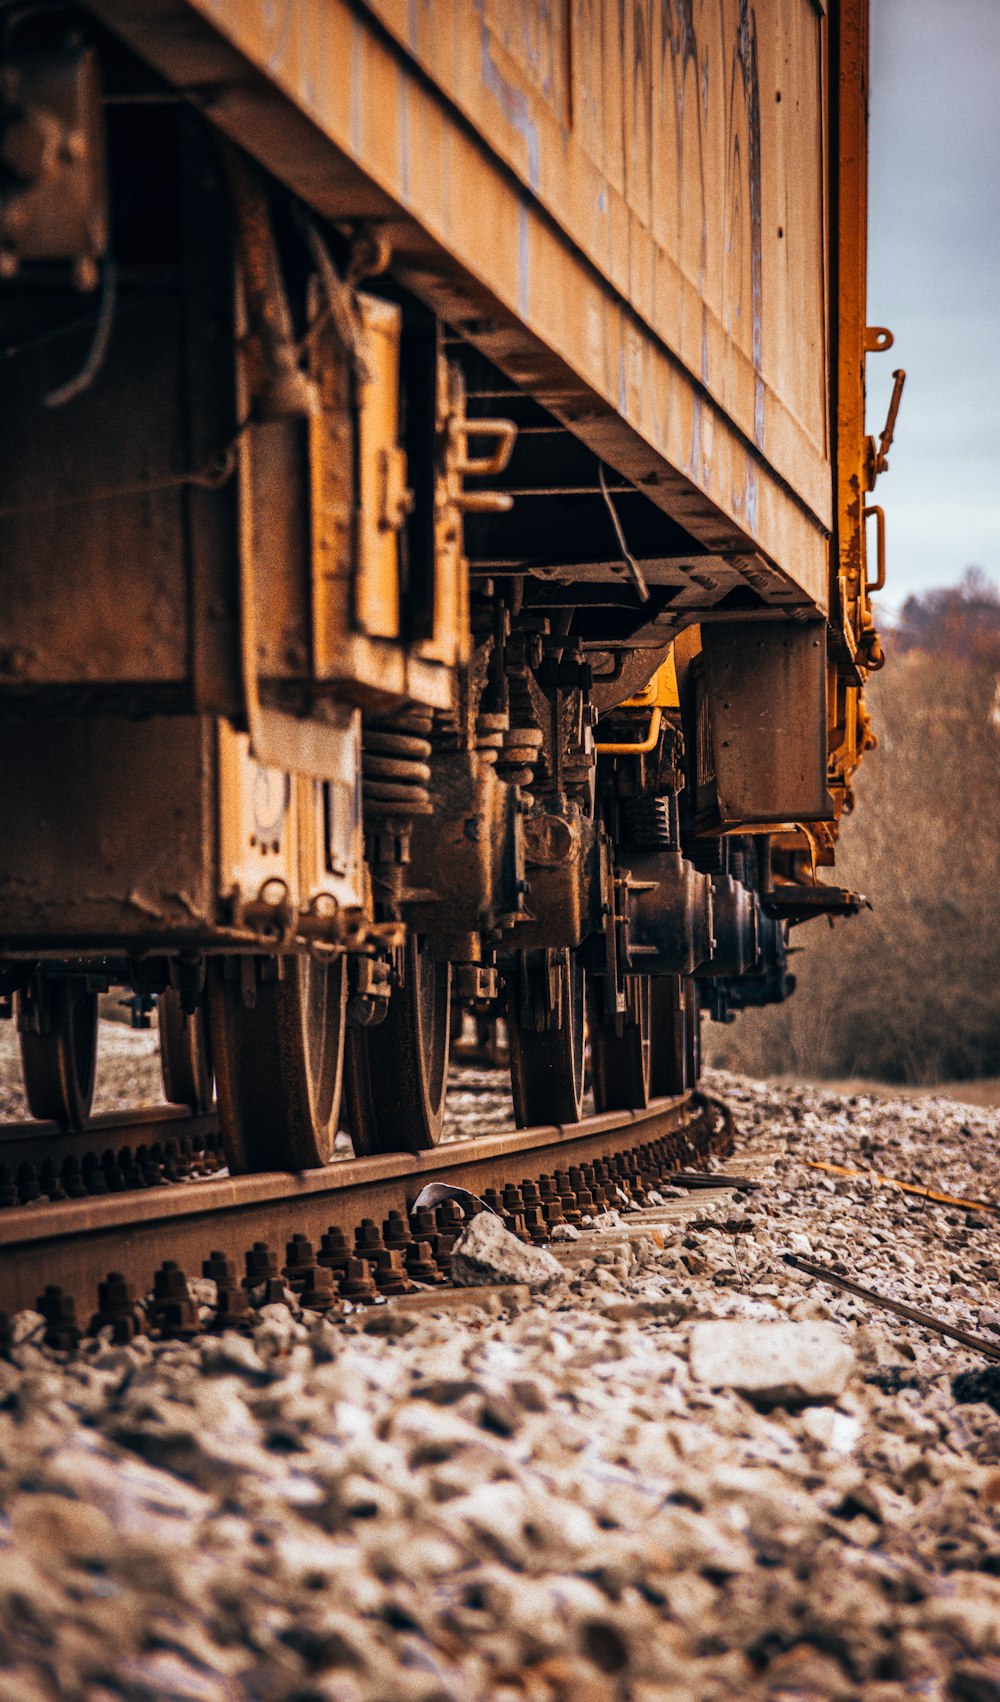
pixel 395 765
pixel 647 823
pixel 513 750
pixel 521 750
pixel 491 730
pixel 707 855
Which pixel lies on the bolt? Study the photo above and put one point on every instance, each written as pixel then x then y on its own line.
pixel 319 1293
pixel 421 1265
pixel 450 1222
pixel 390 1272
pixel 172 1310
pixel 567 1198
pixel 333 1249
pixel 262 1273
pixel 396 1230
pixel 232 1304
pixel 117 1309
pixel 71 1180
pixel 133 1175
pixel 27 1183
pixel 59 1311
pixel 367 1238
pixel 300 1261
pixel 49 1181
pixel 536 1224
pixel 356 1284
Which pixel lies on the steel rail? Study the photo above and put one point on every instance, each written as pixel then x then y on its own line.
pixel 75 1243
pixel 31 1142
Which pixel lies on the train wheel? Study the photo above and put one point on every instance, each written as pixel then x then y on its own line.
pixel 57 1019
pixel 396 1073
pixel 185 1052
pixel 546 1030
pixel 668 1073
pixel 278 1045
pixel 620 1063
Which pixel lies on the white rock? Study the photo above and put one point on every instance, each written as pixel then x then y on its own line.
pixel 606 1220
pixel 26 1326
pixel 487 1252
pixel 782 1363
pixel 838 1431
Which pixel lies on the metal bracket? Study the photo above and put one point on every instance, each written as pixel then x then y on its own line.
pixel 878 582
pixel 880 460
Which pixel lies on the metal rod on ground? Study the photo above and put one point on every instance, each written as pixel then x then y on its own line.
pixel 913 1313
pixel 917 1188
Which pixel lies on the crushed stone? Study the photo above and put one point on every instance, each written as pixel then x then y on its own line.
pixel 545 1503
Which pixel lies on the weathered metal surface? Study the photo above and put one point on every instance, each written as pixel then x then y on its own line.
pixel 54 205
pixel 761 736
pixel 179 837
pixel 109 831
pixel 78 1242
pixel 94 573
pixel 30 1143
pixel 625 208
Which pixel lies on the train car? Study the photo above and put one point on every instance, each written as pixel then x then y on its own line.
pixel 433 506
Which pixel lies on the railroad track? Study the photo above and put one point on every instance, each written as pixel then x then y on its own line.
pixel 354 1214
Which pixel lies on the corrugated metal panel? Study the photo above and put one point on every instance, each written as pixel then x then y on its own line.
pixel 622 204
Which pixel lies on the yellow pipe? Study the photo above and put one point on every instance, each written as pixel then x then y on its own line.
pixel 642 747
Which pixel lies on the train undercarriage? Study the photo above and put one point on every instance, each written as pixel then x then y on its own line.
pixel 344 688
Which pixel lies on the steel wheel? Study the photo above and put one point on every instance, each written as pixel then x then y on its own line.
pixel 57 1020
pixel 185 1052
pixel 668 1032
pixel 546 1031
pixel 277 1030
pixel 620 1063
pixel 396 1073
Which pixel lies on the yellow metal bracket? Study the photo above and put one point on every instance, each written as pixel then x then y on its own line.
pixel 658 694
pixel 643 747
pixel 878 583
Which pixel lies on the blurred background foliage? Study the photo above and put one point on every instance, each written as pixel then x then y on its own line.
pixel 908 992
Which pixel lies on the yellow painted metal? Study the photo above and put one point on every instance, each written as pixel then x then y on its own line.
pixel 370 669
pixel 450 642
pixel 661 690
pixel 331 852
pixel 636 234
pixel 856 459
pixel 290 855
pixel 639 747
pixel 659 693
pixel 258 827
pixel 384 498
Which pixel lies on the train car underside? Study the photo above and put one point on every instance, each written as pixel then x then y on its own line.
pixel 347 681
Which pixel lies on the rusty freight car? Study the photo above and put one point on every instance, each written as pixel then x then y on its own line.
pixel 432 534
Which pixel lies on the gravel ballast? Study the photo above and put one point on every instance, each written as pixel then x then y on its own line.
pixel 564 1495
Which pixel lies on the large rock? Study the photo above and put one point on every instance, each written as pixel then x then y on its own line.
pixel 778 1364
pixel 487 1252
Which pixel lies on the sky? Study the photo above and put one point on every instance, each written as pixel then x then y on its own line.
pixel 934 279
